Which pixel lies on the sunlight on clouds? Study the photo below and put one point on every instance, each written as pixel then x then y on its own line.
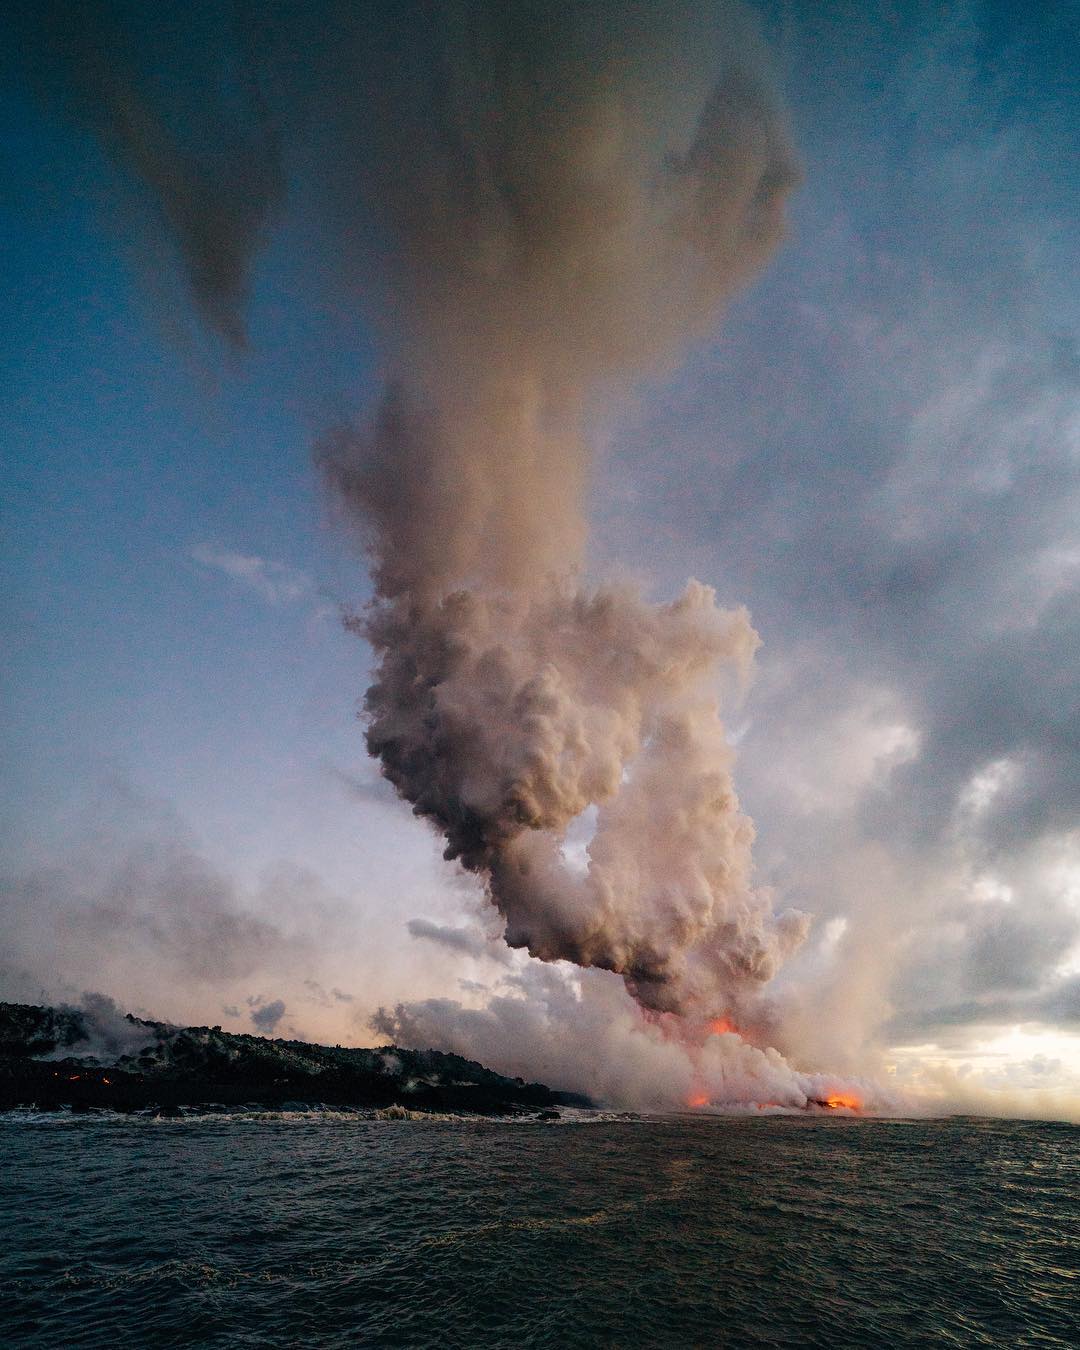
pixel 1014 1070
pixel 982 788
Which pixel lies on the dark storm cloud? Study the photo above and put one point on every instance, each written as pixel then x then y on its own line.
pixel 1056 1006
pixel 992 961
pixel 1008 949
pixel 883 459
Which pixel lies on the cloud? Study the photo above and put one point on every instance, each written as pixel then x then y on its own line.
pixel 325 998
pixel 899 512
pixel 155 896
pixel 1057 1005
pixel 266 1016
pixel 368 785
pixel 133 906
pixel 469 941
pixel 273 582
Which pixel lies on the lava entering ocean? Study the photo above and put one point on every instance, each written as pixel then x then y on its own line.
pixel 572 200
pixel 842 1102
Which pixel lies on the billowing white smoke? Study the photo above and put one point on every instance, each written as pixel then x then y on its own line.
pixel 106 1033
pixel 502 719
pixel 579 1030
pixel 578 194
pixel 539 201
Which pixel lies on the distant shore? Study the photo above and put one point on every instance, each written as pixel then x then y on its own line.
pixel 52 1058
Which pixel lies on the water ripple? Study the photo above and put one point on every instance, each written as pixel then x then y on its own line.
pixel 119 1232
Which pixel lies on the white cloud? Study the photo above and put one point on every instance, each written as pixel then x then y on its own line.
pixel 274 582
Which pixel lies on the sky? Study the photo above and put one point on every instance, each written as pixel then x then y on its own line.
pixel 876 450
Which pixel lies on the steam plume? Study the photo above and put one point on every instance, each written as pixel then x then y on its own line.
pixel 578 1028
pixel 552 196
pixel 574 197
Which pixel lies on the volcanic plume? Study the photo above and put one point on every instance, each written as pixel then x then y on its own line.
pixel 575 195
pixel 535 204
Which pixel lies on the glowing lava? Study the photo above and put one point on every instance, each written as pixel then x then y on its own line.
pixel 698 1099
pixel 841 1101
pixel 722 1026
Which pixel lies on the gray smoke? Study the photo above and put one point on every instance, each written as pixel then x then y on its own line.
pixel 543 201
pixel 106 1032
pixel 581 190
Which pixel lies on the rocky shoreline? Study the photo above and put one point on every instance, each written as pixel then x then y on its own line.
pixel 51 1058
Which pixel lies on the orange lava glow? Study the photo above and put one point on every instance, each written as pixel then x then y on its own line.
pixel 842 1101
pixel 698 1099
pixel 721 1026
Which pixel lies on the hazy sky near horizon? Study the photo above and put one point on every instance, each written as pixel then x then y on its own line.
pixel 877 451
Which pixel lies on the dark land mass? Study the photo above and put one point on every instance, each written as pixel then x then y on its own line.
pixel 71 1057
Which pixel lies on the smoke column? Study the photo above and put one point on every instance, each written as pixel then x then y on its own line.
pixel 574 193
pixel 536 203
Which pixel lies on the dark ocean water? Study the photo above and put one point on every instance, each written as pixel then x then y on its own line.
pixel 684 1232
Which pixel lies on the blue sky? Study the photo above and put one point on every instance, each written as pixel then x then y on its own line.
pixel 877 452
pixel 127 454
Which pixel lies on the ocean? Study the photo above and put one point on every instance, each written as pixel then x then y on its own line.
pixel 327 1229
